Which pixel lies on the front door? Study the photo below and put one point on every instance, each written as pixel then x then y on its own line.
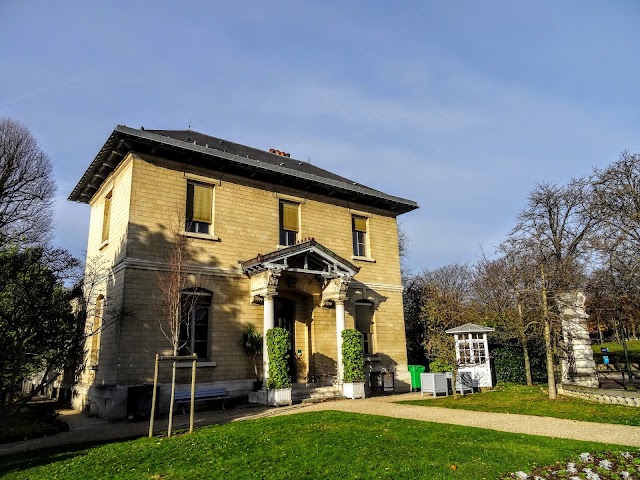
pixel 284 318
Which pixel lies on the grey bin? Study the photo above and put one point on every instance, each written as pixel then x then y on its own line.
pixel 434 383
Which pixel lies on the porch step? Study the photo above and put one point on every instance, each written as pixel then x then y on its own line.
pixel 312 394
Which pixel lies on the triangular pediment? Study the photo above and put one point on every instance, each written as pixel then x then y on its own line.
pixel 308 257
pixel 470 328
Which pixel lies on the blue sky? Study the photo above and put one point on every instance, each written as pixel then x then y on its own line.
pixel 460 106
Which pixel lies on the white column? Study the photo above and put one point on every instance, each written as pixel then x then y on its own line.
pixel 268 325
pixel 340 326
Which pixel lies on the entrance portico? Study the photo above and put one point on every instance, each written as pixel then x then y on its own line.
pixel 312 272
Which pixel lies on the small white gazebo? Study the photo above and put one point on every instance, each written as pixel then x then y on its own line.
pixel 472 354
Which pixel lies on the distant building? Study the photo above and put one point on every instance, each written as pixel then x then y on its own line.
pixel 273 241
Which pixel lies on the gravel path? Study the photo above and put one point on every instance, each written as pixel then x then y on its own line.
pixel 83 429
pixel 504 422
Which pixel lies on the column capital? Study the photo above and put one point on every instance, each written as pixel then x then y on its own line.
pixel 336 289
pixel 265 283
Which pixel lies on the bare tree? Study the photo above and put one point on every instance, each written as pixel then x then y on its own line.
pixel 616 199
pixel 446 304
pixel 616 204
pixel 503 289
pixel 552 229
pixel 93 306
pixel 175 306
pixel 27 187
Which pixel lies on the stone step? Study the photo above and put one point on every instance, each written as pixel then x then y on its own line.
pixel 306 393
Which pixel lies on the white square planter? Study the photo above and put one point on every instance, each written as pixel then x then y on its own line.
pixel 353 390
pixel 279 396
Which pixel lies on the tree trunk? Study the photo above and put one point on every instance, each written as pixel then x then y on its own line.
pixel 600 329
pixel 173 394
pixel 255 367
pixel 525 348
pixel 551 379
pixel 454 379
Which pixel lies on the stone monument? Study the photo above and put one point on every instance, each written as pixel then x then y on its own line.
pixel 578 366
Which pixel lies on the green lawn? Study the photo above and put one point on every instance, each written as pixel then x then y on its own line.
pixel 616 355
pixel 512 398
pixel 321 445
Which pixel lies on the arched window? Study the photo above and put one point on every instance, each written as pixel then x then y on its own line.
pixel 194 322
pixel 95 330
pixel 364 324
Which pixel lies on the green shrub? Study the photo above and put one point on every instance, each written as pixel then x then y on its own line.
pixel 508 362
pixel 352 356
pixel 440 366
pixel 278 346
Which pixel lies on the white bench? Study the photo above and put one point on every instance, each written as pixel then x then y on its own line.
pixel 213 393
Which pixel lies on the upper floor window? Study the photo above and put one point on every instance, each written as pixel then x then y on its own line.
pixel 199 213
pixel 288 223
pixel 106 218
pixel 364 324
pixel 194 323
pixel 359 230
pixel 96 330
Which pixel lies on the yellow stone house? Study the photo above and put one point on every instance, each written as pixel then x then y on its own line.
pixel 271 241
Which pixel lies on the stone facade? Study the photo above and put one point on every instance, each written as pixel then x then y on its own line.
pixel 147 195
pixel 578 365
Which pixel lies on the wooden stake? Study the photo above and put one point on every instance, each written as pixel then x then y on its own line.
pixel 193 391
pixel 153 401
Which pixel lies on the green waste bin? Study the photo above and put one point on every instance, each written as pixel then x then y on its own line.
pixel 415 371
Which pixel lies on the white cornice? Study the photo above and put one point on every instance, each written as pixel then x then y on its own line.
pixel 140 264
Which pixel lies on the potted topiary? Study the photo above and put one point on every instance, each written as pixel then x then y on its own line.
pixel 353 362
pixel 278 380
pixel 252 346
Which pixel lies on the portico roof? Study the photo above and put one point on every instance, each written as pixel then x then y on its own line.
pixel 470 328
pixel 307 256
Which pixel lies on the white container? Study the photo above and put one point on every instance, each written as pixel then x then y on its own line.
pixel 353 390
pixel 279 396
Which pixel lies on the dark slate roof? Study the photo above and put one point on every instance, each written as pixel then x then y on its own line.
pixel 221 155
pixel 190 136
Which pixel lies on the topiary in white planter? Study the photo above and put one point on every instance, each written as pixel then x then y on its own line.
pixel 279 380
pixel 353 361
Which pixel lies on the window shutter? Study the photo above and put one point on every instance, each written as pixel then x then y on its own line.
pixel 359 224
pixel 202 203
pixel 290 216
pixel 106 219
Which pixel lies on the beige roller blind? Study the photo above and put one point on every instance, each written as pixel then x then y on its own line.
pixel 106 219
pixel 289 216
pixel 359 224
pixel 202 197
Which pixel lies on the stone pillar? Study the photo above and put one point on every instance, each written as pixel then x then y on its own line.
pixel 578 366
pixel 457 343
pixel 340 326
pixel 267 325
